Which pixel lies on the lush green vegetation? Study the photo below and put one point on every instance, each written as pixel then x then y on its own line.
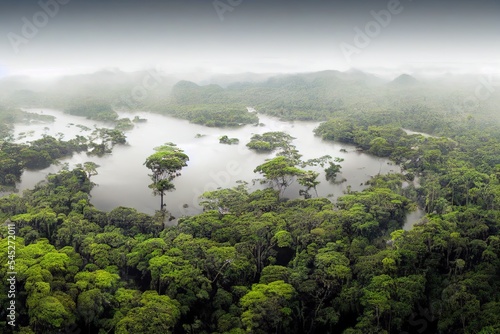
pixel 9 116
pixel 165 165
pixel 124 124
pixel 306 96
pixel 270 141
pixel 321 95
pixel 41 153
pixel 261 264
pixel 88 259
pixel 94 109
pixel 102 140
pixel 228 141
pixel 256 262
pixel 333 169
pixel 205 105
pixel 212 115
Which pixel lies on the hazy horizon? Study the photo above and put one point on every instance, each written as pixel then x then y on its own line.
pixel 51 38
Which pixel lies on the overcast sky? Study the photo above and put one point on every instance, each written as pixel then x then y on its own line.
pixel 247 35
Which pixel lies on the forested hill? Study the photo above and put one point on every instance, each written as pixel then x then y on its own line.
pixel 321 95
pixel 310 96
pixel 303 96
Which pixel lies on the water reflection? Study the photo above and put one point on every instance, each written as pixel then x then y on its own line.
pixel 123 180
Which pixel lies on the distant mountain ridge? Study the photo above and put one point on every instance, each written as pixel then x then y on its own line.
pixel 404 80
pixel 301 96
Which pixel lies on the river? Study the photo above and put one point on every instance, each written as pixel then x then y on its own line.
pixel 123 179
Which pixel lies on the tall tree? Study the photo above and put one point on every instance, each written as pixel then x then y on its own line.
pixel 89 167
pixel 165 165
pixel 279 172
pixel 268 307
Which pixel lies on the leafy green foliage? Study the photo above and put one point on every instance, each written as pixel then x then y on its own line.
pixel 93 109
pixel 124 124
pixel 270 141
pixel 267 307
pixel 154 314
pixel 254 262
pixel 165 165
pixel 43 152
pixel 332 170
pixel 279 172
pixel 229 141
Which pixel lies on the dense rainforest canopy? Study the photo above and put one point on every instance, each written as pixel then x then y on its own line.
pixel 254 261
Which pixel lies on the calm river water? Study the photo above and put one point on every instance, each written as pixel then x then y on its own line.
pixel 123 179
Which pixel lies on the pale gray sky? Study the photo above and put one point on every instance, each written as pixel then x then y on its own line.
pixel 258 36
